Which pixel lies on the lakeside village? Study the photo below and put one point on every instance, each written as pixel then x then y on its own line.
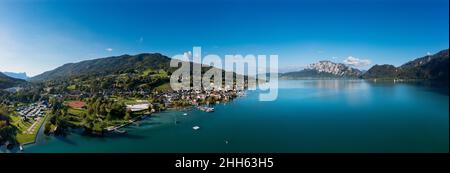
pixel 102 113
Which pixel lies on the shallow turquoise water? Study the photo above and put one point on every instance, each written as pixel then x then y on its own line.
pixel 309 116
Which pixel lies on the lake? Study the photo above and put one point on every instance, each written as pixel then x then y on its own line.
pixel 309 116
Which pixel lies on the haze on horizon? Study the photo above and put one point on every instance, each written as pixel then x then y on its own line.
pixel 37 36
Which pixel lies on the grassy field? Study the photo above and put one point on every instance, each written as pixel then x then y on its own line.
pixel 75 118
pixel 164 87
pixel 22 126
pixel 72 87
pixel 146 72
pixel 76 111
pixel 159 73
pixel 75 115
pixel 126 100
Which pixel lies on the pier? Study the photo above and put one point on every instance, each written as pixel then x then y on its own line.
pixel 118 127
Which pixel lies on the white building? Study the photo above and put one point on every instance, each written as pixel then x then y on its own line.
pixel 138 107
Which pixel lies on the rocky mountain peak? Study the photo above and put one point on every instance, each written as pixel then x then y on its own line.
pixel 337 69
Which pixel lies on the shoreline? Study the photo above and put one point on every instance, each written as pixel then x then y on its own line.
pixel 37 133
pixel 142 117
pixel 137 119
pixel 114 129
pixel 143 144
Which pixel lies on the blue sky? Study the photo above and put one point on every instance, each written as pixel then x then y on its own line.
pixel 37 35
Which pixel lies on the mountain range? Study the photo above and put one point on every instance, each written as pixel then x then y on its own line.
pixel 430 67
pixel 107 66
pixel 22 75
pixel 7 82
pixel 324 69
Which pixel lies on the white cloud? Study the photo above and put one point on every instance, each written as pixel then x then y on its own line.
pixel 356 62
pixel 109 49
pixel 141 40
pixel 428 53
pixel 188 54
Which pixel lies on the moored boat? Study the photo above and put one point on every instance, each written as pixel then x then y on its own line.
pixel 206 109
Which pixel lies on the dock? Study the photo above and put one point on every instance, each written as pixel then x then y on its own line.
pixel 118 127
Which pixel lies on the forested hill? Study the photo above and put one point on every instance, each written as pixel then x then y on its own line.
pixel 109 65
pixel 7 82
pixel 430 67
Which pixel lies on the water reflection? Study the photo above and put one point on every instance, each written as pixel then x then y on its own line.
pixel 340 85
pixel 325 84
pixel 430 86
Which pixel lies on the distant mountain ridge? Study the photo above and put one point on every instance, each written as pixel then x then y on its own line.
pixel 324 69
pixel 381 71
pixel 22 75
pixel 8 82
pixel 105 66
pixel 430 67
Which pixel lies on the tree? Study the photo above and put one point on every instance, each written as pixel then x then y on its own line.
pixel 47 128
pixel 90 110
pixel 97 128
pixel 62 126
pixel 109 117
pixel 4 110
pixel 117 110
pixel 127 115
pixel 7 131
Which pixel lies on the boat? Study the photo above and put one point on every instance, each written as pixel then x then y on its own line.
pixel 210 110
pixel 21 148
pixel 196 127
pixel 185 114
pixel 206 109
pixel 241 94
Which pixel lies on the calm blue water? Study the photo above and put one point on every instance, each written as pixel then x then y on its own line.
pixel 309 116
